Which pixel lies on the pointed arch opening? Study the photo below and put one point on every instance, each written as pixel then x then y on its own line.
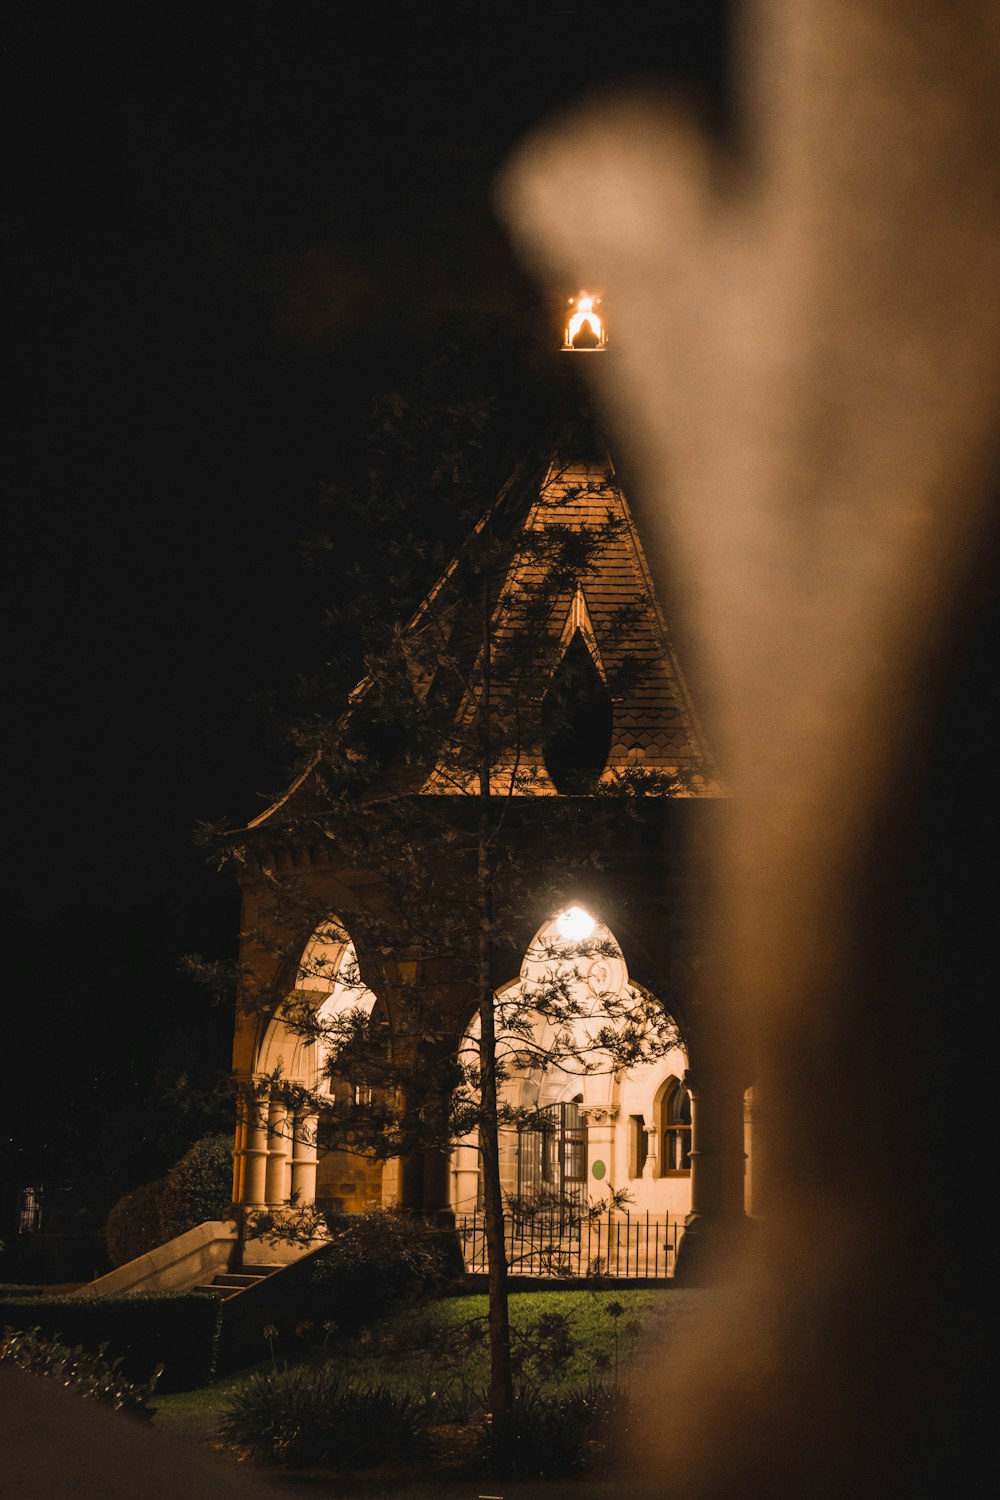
pixel 569 1113
pixel 303 1099
pixel 577 716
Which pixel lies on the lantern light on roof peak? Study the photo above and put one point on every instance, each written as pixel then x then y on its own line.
pixel 585 329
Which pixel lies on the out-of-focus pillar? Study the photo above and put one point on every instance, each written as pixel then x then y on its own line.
pixel 753 1142
pixel 717 1221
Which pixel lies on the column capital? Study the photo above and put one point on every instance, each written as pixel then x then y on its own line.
pixel 599 1114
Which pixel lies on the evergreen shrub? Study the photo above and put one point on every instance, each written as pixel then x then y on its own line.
pixel 199 1187
pixel 133 1225
pixel 178 1330
pixel 555 1435
pixel 374 1259
pixel 310 1416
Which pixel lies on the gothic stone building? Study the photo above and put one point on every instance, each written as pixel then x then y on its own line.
pixel 624 764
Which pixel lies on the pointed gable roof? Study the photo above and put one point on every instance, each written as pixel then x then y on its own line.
pixel 616 610
pixel 611 605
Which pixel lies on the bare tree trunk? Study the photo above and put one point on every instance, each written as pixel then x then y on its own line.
pixel 501 1390
pixel 501 1384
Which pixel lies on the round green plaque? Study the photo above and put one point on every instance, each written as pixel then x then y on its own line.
pixel 598 1169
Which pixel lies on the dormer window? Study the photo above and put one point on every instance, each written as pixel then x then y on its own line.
pixel 576 722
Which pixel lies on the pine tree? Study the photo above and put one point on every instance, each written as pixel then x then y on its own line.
pixel 421 782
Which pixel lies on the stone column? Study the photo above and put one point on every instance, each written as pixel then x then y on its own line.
pixel 600 1122
pixel 255 1147
pixel 390 1183
pixel 239 1145
pixel 278 1146
pixel 717 1221
pixel 465 1177
pixel 650 1168
pixel 304 1158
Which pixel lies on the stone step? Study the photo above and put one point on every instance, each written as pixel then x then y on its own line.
pixel 226 1284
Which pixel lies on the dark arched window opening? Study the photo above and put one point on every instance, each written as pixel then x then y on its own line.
pixel 576 722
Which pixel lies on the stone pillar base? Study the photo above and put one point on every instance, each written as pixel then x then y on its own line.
pixel 709 1247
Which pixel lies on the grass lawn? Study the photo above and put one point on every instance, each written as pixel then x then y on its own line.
pixel 441 1346
pixel 195 1414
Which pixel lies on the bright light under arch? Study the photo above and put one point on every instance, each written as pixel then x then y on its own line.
pixel 575 924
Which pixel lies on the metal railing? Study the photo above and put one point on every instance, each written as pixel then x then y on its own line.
pixel 611 1244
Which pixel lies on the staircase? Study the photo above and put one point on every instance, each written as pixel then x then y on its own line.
pixel 228 1283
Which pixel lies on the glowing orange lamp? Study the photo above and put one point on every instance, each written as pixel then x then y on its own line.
pixel 585 330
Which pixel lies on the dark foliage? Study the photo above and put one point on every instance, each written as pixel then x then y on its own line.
pixel 145 1090
pixel 133 1225
pixel 88 1375
pixel 41 1260
pixel 308 1416
pixel 176 1330
pixel 554 1435
pixel 197 1188
pixel 374 1260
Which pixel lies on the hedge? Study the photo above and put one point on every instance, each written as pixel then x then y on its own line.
pixel 179 1330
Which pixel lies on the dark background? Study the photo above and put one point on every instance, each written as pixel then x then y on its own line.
pixel 228 229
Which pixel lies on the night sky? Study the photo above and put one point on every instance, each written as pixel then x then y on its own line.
pixel 228 228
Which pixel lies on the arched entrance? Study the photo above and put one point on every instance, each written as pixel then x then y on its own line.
pixel 580 1132
pixel 282 1156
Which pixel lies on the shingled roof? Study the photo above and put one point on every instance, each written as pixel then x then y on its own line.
pixel 612 607
pixel 609 607
pixel 654 723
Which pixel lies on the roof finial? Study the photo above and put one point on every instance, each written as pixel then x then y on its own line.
pixel 585 329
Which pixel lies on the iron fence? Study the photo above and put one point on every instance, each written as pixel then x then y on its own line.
pixel 611 1244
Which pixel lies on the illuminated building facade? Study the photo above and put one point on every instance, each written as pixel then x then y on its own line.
pixel 673 1130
